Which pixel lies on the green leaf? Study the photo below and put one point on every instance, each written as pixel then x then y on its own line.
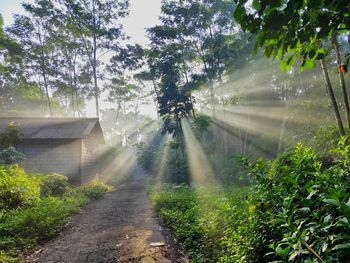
pixel 342 246
pixel 332 202
pixel 308 64
pixel 256 4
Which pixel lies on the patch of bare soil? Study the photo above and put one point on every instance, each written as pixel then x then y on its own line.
pixel 122 227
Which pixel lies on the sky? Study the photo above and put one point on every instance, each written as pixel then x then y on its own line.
pixel 143 14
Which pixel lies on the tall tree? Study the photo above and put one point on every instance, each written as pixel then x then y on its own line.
pixel 206 29
pixel 96 24
pixel 10 62
pixel 33 33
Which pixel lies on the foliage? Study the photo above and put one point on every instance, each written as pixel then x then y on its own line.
pixel 313 216
pixel 147 155
pixel 11 136
pixel 26 217
pixel 325 139
pixel 53 185
pixel 17 189
pixel 200 124
pixel 4 258
pixel 203 219
pixel 94 190
pixel 10 156
pixel 22 229
pixel 297 211
pixel 291 29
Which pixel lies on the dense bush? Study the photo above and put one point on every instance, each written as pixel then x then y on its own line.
pixel 298 210
pixel 17 189
pixel 10 156
pixel 53 185
pixel 306 204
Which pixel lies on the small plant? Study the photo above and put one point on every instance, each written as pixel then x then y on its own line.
pixel 95 190
pixel 53 185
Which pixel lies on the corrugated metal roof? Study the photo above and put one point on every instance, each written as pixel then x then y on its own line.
pixel 54 128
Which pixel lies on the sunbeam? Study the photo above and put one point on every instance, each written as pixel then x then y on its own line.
pixel 200 170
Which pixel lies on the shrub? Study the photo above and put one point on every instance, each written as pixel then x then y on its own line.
pixel 298 210
pixel 11 136
pixel 305 206
pixel 94 191
pixel 53 185
pixel 10 156
pixel 17 189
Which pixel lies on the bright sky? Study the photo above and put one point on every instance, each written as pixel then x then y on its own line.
pixel 143 14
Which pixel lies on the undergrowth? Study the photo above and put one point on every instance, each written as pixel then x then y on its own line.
pixel 297 210
pixel 36 207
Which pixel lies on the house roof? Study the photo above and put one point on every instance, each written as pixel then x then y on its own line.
pixel 55 128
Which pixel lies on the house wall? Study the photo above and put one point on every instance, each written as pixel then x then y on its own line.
pixel 53 156
pixel 89 158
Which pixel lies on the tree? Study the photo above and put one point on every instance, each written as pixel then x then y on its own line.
pixel 294 30
pixel 95 23
pixel 33 33
pixel 206 30
pixel 10 62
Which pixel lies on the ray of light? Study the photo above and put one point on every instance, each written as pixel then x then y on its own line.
pixel 258 126
pixel 201 172
pixel 161 169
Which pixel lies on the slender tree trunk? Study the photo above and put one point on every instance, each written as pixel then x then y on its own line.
pixel 96 91
pixel 47 92
pixel 332 97
pixel 75 86
pixel 94 60
pixel 212 97
pixel 341 79
pixel 72 93
pixel 117 115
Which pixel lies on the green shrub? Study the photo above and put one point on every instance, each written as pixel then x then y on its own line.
pixel 94 191
pixel 17 189
pixel 10 156
pixel 53 185
pixel 306 206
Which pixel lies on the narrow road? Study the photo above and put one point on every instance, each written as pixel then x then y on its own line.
pixel 119 228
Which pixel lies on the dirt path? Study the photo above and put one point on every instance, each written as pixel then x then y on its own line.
pixel 118 228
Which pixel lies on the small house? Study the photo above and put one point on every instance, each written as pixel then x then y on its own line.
pixel 68 146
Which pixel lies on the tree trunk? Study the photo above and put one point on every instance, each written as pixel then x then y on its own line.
pixel 72 93
pixel 332 97
pixel 341 79
pixel 212 97
pixel 96 91
pixel 117 115
pixel 47 93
